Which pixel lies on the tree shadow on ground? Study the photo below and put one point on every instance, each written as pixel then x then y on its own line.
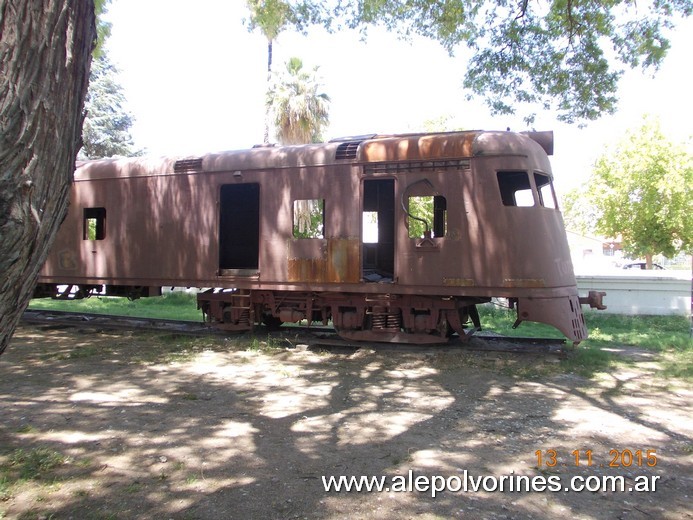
pixel 175 428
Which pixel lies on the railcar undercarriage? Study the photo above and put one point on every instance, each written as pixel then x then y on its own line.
pixel 392 318
pixel 399 318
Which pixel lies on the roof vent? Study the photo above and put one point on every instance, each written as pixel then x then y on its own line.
pixel 347 150
pixel 188 165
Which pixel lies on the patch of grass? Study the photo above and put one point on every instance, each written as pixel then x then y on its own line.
pixel 21 466
pixel 658 333
pixel 678 364
pixel 154 347
pixel 84 352
pixel 5 487
pixel 589 359
pixel 172 306
pixel 269 345
pixel 651 332
pixel 133 487
pixel 36 463
pixel 500 320
pixel 667 335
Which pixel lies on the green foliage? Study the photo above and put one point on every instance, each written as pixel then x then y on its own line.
pixel 270 16
pixel 642 191
pixel 103 28
pixel 299 110
pixel 578 215
pixel 420 208
pixel 557 55
pixel 106 131
pixel 309 220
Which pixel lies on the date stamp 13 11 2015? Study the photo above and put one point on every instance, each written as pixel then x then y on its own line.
pixel 615 458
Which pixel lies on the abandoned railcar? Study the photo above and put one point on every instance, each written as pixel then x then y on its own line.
pixel 391 238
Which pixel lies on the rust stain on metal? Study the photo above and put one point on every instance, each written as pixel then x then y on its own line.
pixel 343 260
pixel 338 262
pixel 458 282
pixel 307 269
pixel 434 146
pixel 524 282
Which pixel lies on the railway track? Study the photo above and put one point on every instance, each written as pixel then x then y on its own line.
pixel 314 337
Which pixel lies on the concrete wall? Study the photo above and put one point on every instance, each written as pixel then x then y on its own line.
pixel 640 292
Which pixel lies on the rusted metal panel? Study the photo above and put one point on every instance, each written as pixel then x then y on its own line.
pixel 343 260
pixel 417 147
pixel 307 260
pixel 524 282
pixel 458 282
pixel 563 313
pixel 307 270
pixel 335 260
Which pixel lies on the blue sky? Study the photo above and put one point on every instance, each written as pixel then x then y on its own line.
pixel 194 78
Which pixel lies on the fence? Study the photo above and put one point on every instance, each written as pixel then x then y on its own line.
pixel 642 292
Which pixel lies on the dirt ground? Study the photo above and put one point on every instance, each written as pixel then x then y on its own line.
pixel 162 426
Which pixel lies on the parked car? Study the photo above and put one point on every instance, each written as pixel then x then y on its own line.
pixel 641 265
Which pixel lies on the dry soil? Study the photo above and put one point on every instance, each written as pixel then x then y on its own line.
pixel 148 425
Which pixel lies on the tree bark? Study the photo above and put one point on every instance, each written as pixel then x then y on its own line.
pixel 45 55
pixel 269 80
pixel 648 261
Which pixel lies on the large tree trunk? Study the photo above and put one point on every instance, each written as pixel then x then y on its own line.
pixel 45 54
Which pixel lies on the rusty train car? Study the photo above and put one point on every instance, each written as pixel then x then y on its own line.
pixel 392 238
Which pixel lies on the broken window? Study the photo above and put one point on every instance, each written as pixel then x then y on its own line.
pixel 309 218
pixel 547 196
pixel 427 212
pixel 94 224
pixel 515 189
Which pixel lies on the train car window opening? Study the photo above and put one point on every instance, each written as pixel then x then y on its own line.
pixel 309 218
pixel 515 188
pixel 428 211
pixel 94 224
pixel 370 227
pixel 547 194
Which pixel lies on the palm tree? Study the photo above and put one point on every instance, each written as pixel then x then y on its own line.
pixel 270 16
pixel 300 112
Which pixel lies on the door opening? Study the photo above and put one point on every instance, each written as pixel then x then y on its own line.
pixel 378 230
pixel 239 226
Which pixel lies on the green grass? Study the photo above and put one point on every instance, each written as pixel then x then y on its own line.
pixel 171 306
pixel 660 333
pixel 651 332
pixel 500 320
pixel 668 335
pixel 20 466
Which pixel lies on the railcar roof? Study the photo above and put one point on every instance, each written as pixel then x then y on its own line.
pixel 357 149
